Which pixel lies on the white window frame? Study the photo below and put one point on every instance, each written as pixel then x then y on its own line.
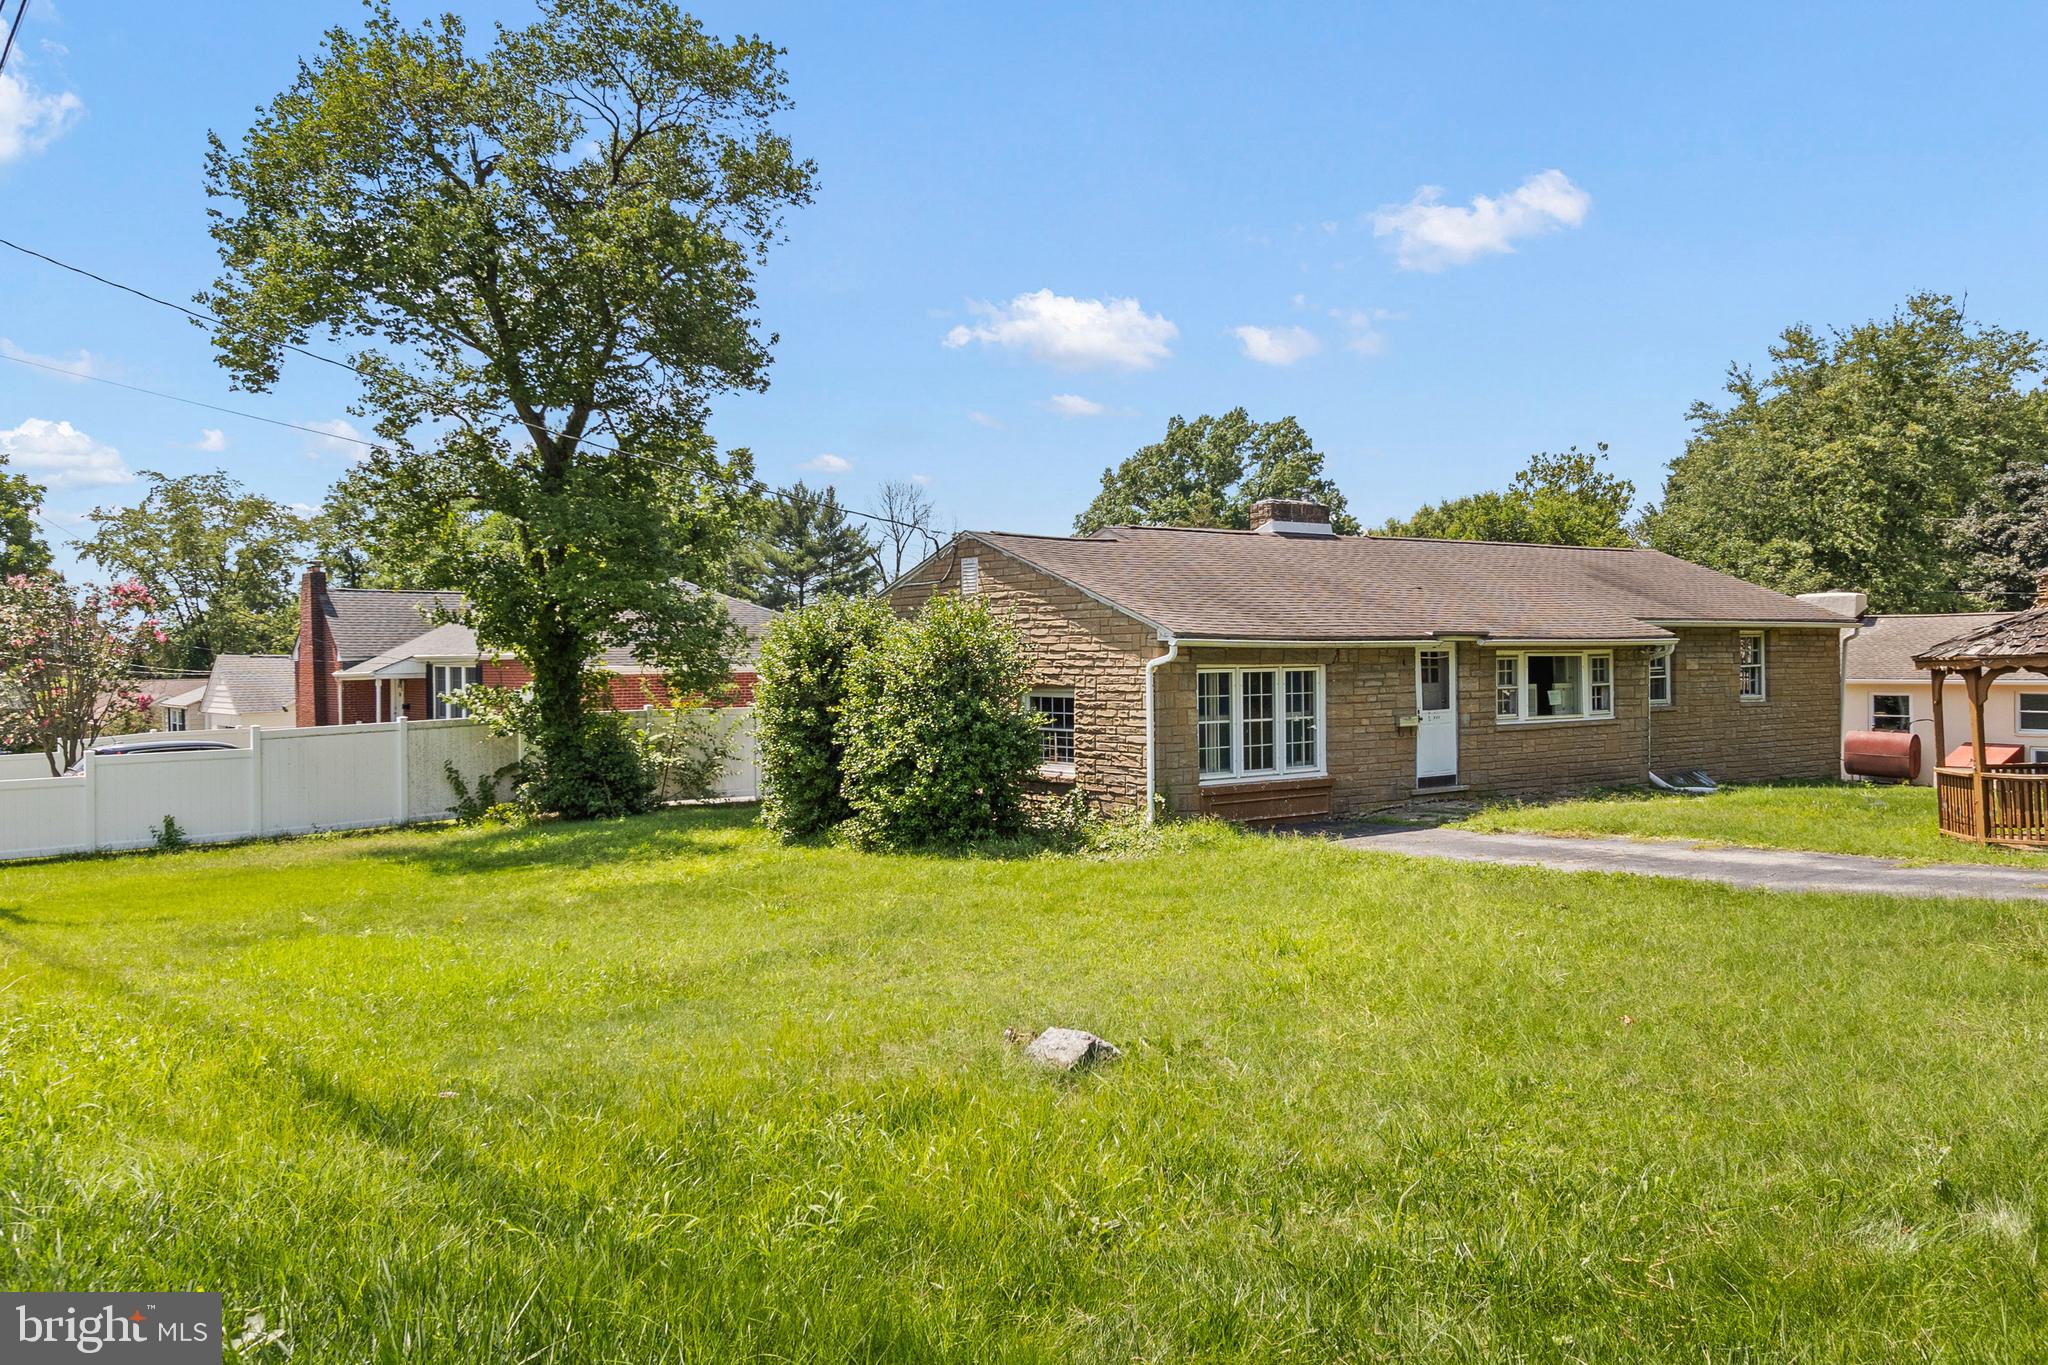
pixel 1661 668
pixel 174 719
pixel 1235 721
pixel 1057 767
pixel 1762 666
pixel 1905 697
pixel 2019 714
pixel 2037 755
pixel 1511 686
pixel 471 675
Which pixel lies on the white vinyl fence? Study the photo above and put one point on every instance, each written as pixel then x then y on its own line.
pixel 35 765
pixel 291 781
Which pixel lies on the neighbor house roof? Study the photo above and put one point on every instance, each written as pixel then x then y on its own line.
pixel 1884 649
pixel 249 684
pixel 1248 585
pixel 367 621
pixel 453 640
pixel 171 691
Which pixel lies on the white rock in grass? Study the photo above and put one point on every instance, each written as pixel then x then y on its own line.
pixel 1068 1048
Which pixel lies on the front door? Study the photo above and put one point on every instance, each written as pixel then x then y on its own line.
pixel 1436 708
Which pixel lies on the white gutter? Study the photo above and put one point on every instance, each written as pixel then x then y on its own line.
pixel 1152 666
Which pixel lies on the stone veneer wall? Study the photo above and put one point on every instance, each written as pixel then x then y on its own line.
pixel 1077 642
pixel 1073 641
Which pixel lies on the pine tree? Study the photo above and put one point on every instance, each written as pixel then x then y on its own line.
pixel 808 549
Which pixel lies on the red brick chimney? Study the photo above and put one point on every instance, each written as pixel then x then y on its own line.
pixel 313 673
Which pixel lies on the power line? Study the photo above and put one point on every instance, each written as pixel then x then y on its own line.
pixel 11 32
pixel 508 419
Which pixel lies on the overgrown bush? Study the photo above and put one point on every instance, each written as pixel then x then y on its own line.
pixel 603 774
pixel 805 655
pixel 937 745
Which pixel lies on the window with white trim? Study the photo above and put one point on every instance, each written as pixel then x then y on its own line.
pixel 2037 756
pixel 2033 717
pixel 1055 706
pixel 1258 722
pixel 450 680
pixel 1539 687
pixel 1660 677
pixel 1891 711
pixel 174 718
pixel 1749 655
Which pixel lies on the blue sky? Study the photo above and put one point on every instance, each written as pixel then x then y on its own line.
pixel 1042 230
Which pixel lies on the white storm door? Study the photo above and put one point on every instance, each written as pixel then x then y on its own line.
pixel 1436 705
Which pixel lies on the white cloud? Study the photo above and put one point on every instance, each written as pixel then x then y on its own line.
pixel 31 120
pixel 982 419
pixel 341 439
pixel 1277 345
pixel 828 464
pixel 1072 334
pixel 59 455
pixel 921 480
pixel 1430 234
pixel 1362 328
pixel 78 365
pixel 1074 405
pixel 211 439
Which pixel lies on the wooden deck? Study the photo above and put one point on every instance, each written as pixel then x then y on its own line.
pixel 2015 804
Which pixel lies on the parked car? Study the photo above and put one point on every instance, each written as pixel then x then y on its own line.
pixel 154 746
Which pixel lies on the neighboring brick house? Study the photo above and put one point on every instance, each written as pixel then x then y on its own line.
pixel 1287 671
pixel 370 654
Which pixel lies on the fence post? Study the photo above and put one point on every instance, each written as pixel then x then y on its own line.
pixel 256 781
pixel 398 729
pixel 92 803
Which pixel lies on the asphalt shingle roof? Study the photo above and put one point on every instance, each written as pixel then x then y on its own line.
pixel 251 683
pixel 368 621
pixel 1246 585
pixel 1883 650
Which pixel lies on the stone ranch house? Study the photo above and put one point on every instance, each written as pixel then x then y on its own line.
pixel 1287 672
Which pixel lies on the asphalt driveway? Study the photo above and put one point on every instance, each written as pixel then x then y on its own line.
pixel 1769 869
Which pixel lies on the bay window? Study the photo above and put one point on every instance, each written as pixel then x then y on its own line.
pixel 1539 687
pixel 1258 722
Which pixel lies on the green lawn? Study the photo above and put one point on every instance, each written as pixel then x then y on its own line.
pixel 1831 817
pixel 662 1090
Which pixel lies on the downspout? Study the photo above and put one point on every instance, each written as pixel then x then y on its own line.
pixel 1842 704
pixel 1152 667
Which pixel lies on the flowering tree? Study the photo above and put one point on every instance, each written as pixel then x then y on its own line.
pixel 65 663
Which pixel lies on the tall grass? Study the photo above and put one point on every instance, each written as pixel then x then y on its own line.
pixel 664 1090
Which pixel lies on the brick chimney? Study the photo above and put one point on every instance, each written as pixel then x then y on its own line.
pixel 313 657
pixel 1291 517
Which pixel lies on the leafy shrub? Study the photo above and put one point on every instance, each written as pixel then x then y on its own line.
pixel 602 774
pixel 170 836
pixel 805 655
pixel 937 743
pixel 475 807
pixel 685 751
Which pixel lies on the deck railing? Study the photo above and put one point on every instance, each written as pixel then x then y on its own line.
pixel 2015 803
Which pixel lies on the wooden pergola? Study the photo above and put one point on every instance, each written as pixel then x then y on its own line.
pixel 2007 804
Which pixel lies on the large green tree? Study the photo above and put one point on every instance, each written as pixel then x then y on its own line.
pixel 217 559
pixel 1567 499
pixel 546 249
pixel 807 549
pixel 1210 471
pixel 1850 462
pixel 366 543
pixel 2005 536
pixel 22 550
